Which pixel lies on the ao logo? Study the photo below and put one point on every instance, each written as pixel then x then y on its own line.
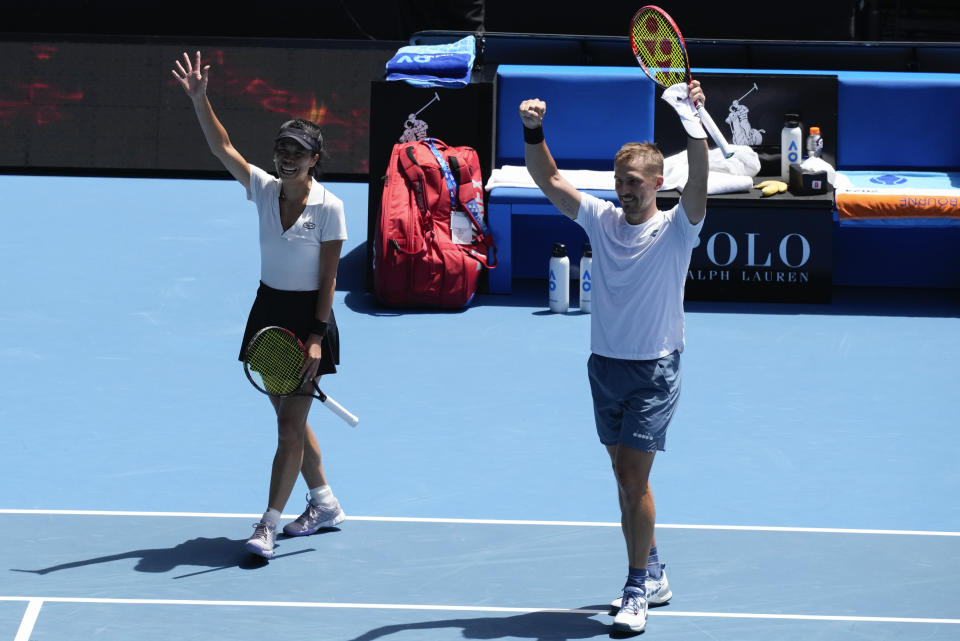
pixel 421 57
pixel 793 152
pixel 888 179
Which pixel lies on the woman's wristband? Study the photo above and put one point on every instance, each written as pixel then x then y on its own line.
pixel 319 327
pixel 533 136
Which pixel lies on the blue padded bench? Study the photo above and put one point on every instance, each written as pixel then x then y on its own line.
pixel 520 210
pixel 898 121
pixel 578 98
pixel 901 120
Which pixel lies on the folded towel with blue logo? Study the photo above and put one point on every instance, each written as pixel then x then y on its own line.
pixel 444 65
pixel 890 195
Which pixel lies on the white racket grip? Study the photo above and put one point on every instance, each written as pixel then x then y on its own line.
pixel 712 130
pixel 340 411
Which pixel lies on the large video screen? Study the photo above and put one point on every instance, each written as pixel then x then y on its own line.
pixel 115 108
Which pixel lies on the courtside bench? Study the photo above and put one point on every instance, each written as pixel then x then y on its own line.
pixel 897 132
pixel 885 122
pixel 591 111
pixel 900 131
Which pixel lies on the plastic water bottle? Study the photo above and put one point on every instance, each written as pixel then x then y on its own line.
pixel 790 141
pixel 586 278
pixel 559 279
pixel 814 143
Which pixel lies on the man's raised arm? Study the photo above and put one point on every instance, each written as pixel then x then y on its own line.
pixel 540 163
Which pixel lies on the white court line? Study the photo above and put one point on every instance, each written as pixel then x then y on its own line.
pixel 467 608
pixel 29 620
pixel 403 519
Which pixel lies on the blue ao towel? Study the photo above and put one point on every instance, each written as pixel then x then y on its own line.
pixel 445 65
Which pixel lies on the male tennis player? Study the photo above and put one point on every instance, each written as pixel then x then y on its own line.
pixel 640 261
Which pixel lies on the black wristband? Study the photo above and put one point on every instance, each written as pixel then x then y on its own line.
pixel 533 136
pixel 319 327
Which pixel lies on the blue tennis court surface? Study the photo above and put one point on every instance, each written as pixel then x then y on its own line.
pixel 808 490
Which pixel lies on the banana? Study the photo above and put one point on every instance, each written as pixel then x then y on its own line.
pixel 771 187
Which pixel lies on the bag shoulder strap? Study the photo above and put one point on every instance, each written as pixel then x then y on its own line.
pixel 445 168
pixel 472 208
pixel 414 173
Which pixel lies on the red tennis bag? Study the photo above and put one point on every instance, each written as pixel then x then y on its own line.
pixel 431 243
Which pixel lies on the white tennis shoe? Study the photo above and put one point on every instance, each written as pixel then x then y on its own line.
pixel 261 543
pixel 314 518
pixel 658 590
pixel 632 616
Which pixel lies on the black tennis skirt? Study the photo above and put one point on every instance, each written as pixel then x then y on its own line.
pixel 295 311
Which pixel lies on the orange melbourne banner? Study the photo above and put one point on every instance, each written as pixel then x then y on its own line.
pixel 898 203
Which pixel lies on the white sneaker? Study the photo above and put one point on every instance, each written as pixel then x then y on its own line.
pixel 261 543
pixel 632 616
pixel 658 590
pixel 315 517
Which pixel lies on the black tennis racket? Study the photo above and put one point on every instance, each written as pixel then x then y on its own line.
pixel 661 51
pixel 273 361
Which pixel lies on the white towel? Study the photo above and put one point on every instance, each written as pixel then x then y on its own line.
pixel 727 175
pixel 518 176
pixel 819 164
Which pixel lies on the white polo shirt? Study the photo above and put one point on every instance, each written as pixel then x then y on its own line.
pixel 638 278
pixel 290 259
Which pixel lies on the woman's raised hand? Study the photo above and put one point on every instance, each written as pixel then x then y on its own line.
pixel 192 77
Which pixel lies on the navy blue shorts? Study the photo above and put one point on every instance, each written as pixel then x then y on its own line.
pixel 633 401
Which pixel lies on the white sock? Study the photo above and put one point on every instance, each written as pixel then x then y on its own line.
pixel 321 495
pixel 271 516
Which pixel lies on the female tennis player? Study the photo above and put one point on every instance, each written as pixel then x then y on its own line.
pixel 302 229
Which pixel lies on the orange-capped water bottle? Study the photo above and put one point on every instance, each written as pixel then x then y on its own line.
pixel 814 143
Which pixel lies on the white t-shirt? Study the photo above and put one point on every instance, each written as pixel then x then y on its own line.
pixel 290 259
pixel 638 277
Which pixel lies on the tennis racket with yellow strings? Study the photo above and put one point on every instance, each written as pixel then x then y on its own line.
pixel 659 48
pixel 273 361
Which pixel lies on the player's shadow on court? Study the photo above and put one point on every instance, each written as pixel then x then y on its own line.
pixel 542 626
pixel 220 553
